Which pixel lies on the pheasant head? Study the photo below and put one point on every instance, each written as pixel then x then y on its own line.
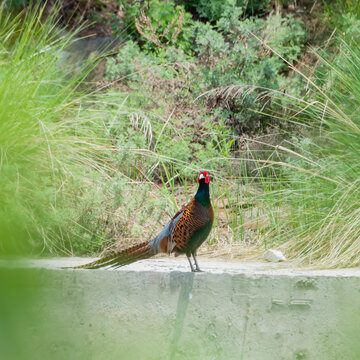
pixel 203 175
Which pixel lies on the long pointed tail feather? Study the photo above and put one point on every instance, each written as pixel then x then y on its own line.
pixel 122 257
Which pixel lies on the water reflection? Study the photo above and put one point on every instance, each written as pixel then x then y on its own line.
pixel 184 283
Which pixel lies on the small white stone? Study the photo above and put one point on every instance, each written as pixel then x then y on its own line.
pixel 274 255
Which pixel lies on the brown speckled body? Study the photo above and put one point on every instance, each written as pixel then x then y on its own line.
pixel 192 228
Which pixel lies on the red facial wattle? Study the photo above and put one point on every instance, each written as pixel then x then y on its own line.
pixel 205 175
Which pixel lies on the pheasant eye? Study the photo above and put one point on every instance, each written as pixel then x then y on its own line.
pixel 207 179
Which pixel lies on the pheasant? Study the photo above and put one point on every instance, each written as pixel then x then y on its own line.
pixel 183 234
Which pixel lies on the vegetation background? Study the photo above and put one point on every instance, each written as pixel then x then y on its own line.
pixel 108 109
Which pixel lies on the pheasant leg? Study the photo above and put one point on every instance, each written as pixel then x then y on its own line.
pixel 197 267
pixel 191 265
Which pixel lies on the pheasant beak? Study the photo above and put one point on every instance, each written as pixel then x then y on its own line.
pixel 201 176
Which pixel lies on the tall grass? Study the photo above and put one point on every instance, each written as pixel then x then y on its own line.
pixel 43 144
pixel 319 192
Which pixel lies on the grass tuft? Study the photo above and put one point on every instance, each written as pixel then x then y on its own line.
pixel 44 148
pixel 318 194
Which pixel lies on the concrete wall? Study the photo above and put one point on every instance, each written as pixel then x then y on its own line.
pixel 157 309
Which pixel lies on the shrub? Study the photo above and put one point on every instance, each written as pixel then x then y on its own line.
pixel 128 63
pixel 158 24
pixel 213 10
pixel 344 15
pixel 235 51
pixel 246 61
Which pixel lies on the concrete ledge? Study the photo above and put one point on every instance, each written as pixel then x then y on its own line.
pixel 209 266
pixel 157 309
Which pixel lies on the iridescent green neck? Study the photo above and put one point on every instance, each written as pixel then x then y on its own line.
pixel 203 195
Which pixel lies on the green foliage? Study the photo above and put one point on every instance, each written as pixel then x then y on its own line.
pixel 127 64
pixel 161 23
pixel 213 10
pixel 246 61
pixel 210 43
pixel 344 15
pixel 227 53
